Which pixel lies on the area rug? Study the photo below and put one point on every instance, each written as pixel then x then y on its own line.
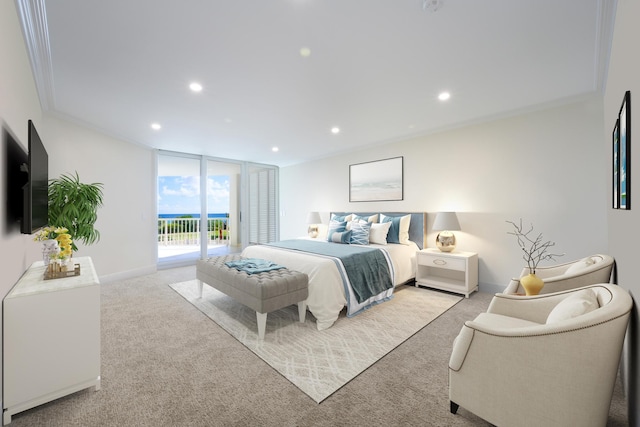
pixel 320 362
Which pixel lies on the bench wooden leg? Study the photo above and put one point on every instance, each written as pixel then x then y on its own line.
pixel 262 324
pixel 199 288
pixel 302 311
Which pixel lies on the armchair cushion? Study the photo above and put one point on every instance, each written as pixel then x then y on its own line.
pixel 582 265
pixel 579 303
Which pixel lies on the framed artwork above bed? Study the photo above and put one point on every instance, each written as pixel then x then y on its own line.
pixel 380 180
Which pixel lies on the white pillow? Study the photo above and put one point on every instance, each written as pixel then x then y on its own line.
pixel 578 266
pixel 581 302
pixel 378 233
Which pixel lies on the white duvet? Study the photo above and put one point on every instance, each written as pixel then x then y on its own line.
pixel 326 291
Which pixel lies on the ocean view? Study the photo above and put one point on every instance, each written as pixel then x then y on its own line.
pixel 193 215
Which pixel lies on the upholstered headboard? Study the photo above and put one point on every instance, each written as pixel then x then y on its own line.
pixel 417 227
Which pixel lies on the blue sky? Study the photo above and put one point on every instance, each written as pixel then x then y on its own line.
pixel 181 194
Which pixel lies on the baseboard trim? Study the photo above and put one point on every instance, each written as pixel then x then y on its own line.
pixel 129 274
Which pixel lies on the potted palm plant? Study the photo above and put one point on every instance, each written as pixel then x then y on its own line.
pixel 74 206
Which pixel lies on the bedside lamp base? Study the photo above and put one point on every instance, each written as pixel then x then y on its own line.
pixel 446 241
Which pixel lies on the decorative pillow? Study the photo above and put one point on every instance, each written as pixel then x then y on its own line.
pixel 335 227
pixel 581 302
pixel 373 218
pixel 341 237
pixel 578 266
pixel 378 233
pixel 360 232
pixel 343 218
pixel 399 230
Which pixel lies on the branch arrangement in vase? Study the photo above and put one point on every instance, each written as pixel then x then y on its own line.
pixel 534 249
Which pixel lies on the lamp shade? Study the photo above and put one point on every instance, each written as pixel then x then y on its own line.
pixel 314 218
pixel 446 221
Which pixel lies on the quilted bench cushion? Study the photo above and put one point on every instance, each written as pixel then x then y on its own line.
pixel 263 292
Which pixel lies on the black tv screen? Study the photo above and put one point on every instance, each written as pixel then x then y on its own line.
pixel 16 159
pixel 36 191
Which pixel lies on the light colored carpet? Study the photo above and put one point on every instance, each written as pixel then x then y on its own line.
pixel 320 362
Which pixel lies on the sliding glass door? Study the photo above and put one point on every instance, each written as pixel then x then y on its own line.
pixel 179 208
pixel 201 202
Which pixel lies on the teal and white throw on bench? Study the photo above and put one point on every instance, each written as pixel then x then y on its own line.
pixel 253 265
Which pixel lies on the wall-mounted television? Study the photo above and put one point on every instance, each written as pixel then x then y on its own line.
pixel 15 157
pixel 35 211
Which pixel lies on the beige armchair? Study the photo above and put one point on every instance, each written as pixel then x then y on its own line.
pixel 586 271
pixel 545 360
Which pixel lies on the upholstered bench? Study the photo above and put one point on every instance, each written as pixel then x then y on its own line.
pixel 263 292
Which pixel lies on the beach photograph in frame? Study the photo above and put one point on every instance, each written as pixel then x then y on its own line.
pixel 624 118
pixel 616 165
pixel 380 180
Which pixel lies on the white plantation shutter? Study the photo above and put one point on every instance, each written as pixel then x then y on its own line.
pixel 263 205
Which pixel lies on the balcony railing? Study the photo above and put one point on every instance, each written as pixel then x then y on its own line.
pixel 186 231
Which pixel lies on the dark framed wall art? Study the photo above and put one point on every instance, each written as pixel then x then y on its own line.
pixel 380 180
pixel 622 156
pixel 616 165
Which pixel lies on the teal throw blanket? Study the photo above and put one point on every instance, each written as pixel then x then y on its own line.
pixel 366 268
pixel 253 265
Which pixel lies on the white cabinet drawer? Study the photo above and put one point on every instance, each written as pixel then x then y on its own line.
pixel 443 262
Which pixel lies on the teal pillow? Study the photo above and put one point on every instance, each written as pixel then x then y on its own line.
pixel 343 218
pixel 360 232
pixel 394 230
pixel 341 237
pixel 335 227
pixel 399 230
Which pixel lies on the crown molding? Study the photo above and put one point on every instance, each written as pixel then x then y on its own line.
pixel 33 17
pixel 604 37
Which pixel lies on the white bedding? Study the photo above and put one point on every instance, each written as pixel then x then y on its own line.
pixel 326 292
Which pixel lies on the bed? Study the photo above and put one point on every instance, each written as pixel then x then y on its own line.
pixel 330 289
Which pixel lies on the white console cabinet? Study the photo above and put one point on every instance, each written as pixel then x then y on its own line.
pixel 51 337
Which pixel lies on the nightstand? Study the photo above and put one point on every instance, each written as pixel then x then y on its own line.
pixel 448 271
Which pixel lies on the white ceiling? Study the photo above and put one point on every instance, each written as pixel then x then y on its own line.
pixel 375 70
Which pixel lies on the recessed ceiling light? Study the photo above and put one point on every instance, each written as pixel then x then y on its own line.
pixel 156 126
pixel 305 52
pixel 335 130
pixel 444 96
pixel 196 87
pixel 275 149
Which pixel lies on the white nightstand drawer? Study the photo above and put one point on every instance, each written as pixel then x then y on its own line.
pixel 444 262
pixel 448 271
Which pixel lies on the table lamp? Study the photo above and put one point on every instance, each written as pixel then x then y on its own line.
pixel 446 222
pixel 313 219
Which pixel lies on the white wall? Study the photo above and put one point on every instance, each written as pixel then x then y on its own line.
pixel 623 226
pixel 127 221
pixel 545 167
pixel 18 103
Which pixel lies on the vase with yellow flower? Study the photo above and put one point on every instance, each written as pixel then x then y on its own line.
pixel 57 245
pixel 534 250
